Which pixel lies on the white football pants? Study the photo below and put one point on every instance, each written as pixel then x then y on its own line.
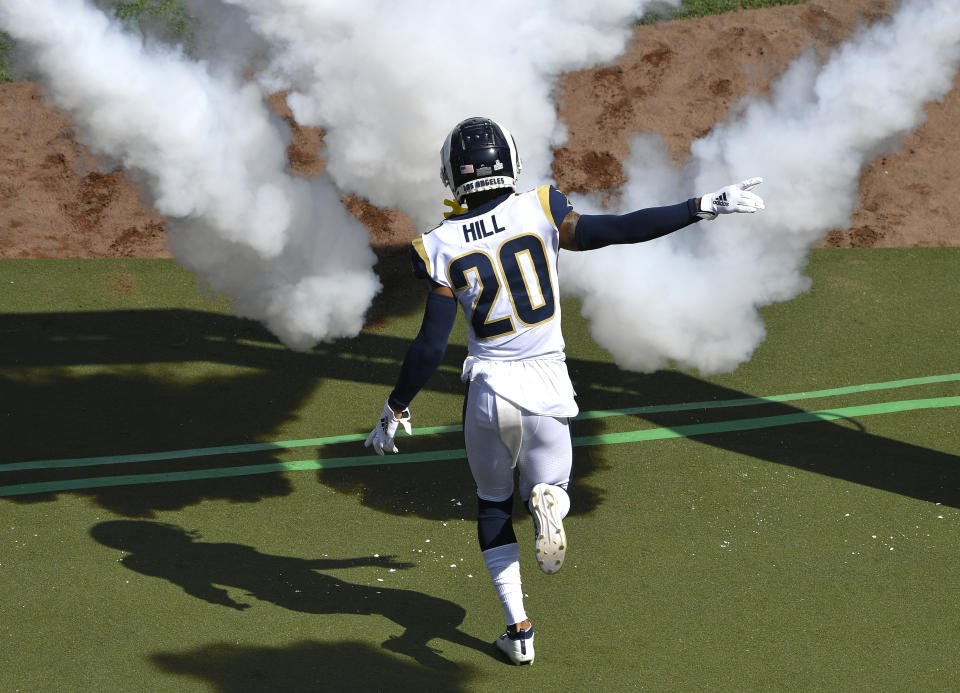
pixel 500 437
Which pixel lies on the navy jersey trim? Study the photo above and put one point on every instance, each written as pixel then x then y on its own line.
pixel 418 257
pixel 559 206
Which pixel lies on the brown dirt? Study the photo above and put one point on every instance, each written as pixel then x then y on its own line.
pixel 54 202
pixel 677 79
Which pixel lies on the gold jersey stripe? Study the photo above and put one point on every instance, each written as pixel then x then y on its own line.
pixel 543 193
pixel 422 252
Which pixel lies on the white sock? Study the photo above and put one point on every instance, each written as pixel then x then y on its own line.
pixel 503 562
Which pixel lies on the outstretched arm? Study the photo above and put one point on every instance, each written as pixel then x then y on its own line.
pixel 212 594
pixel 375 561
pixel 592 231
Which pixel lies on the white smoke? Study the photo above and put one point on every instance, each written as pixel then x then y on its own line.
pixel 386 79
pixel 389 79
pixel 213 159
pixel 693 297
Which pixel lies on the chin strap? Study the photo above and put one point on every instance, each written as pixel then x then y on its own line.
pixel 455 208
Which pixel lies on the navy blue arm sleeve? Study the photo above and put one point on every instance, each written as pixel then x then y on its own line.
pixel 600 230
pixel 426 351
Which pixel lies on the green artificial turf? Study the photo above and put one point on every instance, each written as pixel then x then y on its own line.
pixel 814 556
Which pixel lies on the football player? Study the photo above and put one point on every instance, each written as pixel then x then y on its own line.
pixel 496 256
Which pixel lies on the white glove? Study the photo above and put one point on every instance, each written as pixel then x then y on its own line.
pixel 732 198
pixel 382 435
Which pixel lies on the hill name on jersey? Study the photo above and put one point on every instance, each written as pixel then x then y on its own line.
pixel 476 230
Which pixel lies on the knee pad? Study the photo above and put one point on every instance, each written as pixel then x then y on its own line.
pixel 495 523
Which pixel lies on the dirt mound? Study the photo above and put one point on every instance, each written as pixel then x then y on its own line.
pixel 677 79
pixel 680 78
pixel 54 199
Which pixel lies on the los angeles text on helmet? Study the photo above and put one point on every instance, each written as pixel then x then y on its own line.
pixel 491 182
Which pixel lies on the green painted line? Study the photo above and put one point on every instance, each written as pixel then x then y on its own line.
pixel 201 452
pixel 767 421
pixel 224 472
pixel 176 454
pixel 750 401
pixel 354 437
pixel 440 455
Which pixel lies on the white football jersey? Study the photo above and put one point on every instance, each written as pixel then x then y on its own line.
pixel 501 263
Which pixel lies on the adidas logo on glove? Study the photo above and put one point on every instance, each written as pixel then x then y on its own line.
pixel 731 198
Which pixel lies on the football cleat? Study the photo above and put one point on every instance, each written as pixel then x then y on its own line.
pixel 517 646
pixel 550 541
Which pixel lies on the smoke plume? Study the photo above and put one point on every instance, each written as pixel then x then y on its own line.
pixel 387 80
pixel 213 159
pixel 692 298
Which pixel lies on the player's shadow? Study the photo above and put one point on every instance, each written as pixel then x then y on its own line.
pixel 201 569
pixel 307 665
